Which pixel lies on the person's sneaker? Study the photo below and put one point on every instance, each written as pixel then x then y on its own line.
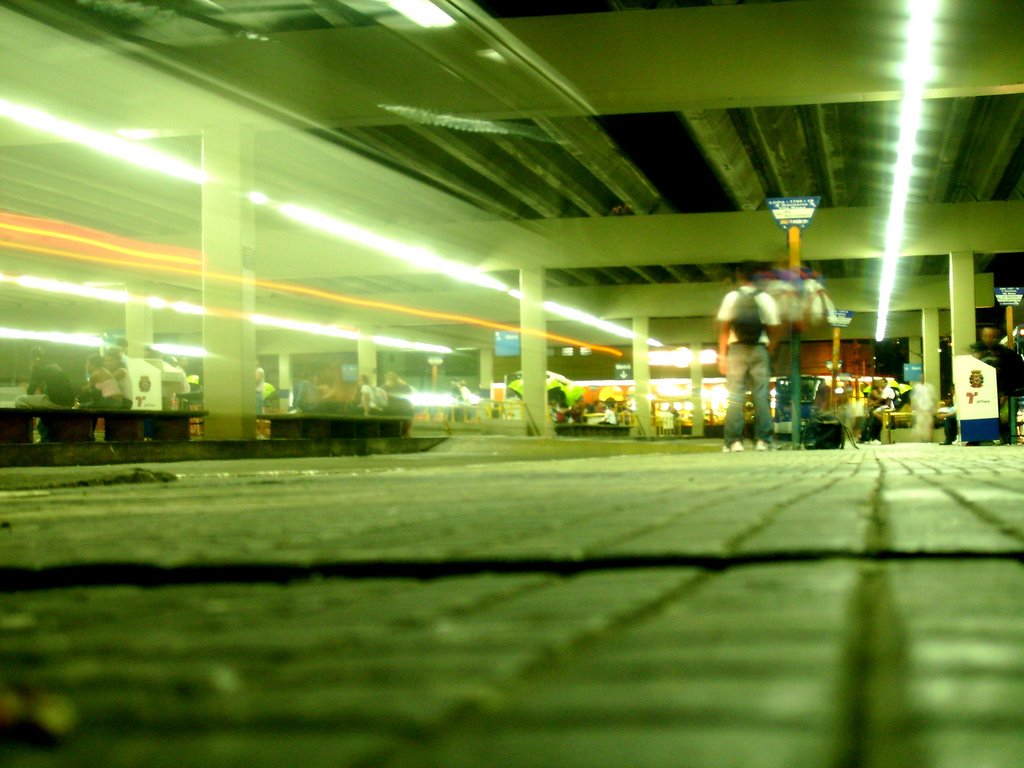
pixel 761 445
pixel 875 442
pixel 736 447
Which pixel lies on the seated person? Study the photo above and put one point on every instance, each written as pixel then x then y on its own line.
pixel 103 390
pixel 611 416
pixel 113 361
pixel 48 387
pixel 880 400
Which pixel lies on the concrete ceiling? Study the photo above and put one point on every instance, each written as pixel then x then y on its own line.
pixel 626 148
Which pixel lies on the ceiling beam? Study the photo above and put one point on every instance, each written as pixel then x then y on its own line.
pixel 500 174
pixel 714 131
pixel 835 233
pixel 320 76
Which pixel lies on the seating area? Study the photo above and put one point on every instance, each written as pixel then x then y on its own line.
pixel 896 428
pixel 592 430
pixel 326 426
pixel 79 425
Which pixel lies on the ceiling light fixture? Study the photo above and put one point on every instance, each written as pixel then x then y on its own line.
pixel 422 13
pixel 107 144
pixel 917 71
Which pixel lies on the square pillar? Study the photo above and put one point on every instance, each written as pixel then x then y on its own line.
pixel 533 352
pixel 641 378
pixel 961 301
pixel 229 370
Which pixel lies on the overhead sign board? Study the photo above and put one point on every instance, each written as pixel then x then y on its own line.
pixel 506 343
pixel 840 318
pixel 913 372
pixel 623 371
pixel 1009 297
pixel 792 211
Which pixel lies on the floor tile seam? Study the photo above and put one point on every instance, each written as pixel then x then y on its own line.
pixel 736 494
pixel 18 580
pixel 876 727
pixel 471 714
pixel 877 536
pixel 990 519
pixel 734 544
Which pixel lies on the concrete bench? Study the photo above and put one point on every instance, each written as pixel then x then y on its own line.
pixel 77 425
pixel 592 430
pixel 338 426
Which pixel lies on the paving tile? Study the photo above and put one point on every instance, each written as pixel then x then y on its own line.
pixel 785 609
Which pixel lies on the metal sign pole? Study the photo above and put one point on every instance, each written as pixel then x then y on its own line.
pixel 794 337
pixel 792 214
pixel 836 332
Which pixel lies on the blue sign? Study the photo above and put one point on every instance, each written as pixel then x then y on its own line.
pixel 506 343
pixel 792 211
pixel 1009 297
pixel 840 318
pixel 913 372
pixel 623 371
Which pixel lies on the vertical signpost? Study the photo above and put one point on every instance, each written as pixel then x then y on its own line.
pixel 1009 298
pixel 793 214
pixel 838 319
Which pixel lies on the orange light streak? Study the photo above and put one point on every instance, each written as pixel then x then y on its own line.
pixel 183 261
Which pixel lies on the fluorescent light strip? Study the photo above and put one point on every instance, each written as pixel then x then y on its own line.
pixel 55 337
pixel 184 307
pixel 71 289
pixel 595 322
pixel 387 341
pixel 412 255
pixel 343 333
pixel 916 73
pixel 303 327
pixel 106 144
pixel 424 259
pixel 182 350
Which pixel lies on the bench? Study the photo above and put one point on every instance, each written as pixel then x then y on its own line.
pixel 592 430
pixel 893 421
pixel 337 426
pixel 77 425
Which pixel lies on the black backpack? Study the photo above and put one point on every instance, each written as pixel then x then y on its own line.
pixel 823 431
pixel 746 320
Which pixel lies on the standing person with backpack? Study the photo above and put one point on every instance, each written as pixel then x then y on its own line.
pixel 748 333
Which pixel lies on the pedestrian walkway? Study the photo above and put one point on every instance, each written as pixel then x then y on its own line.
pixel 516 602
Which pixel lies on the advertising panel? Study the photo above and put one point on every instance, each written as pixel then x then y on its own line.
pixel 976 398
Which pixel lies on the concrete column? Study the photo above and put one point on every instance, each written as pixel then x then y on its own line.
pixel 284 371
pixel 961 301
pixel 486 368
pixel 641 378
pixel 366 352
pixel 930 348
pixel 697 383
pixel 229 384
pixel 138 328
pixel 533 352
